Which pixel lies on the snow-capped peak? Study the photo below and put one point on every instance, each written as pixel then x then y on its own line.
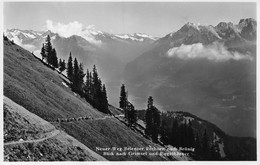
pixel 144 35
pixel 29 34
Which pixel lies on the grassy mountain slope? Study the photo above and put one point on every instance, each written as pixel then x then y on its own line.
pixel 42 91
pixel 38 88
pixel 27 129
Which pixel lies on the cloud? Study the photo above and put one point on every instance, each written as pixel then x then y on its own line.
pixel 29 47
pixel 25 46
pixel 72 28
pixel 216 52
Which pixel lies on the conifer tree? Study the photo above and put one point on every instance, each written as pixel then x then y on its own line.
pixel 123 102
pixel 81 76
pixel 104 101
pixel 91 90
pixel 155 123
pixel 131 114
pixel 197 144
pixel 96 87
pixel 99 95
pixel 54 60
pixel 174 134
pixel 43 54
pixel 123 97
pixel 48 50
pixel 164 134
pixel 214 152
pixel 62 65
pixel 205 146
pixel 75 79
pixel 87 86
pixel 150 102
pixel 148 117
pixel 190 135
pixel 152 120
pixel 70 68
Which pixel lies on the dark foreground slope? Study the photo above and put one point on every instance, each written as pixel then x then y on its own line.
pixel 42 91
pixel 228 147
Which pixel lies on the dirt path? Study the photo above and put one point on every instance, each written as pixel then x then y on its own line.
pixel 53 133
pixel 62 120
pixel 48 136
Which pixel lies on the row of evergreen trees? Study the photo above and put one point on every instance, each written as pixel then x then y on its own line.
pixel 152 115
pixel 49 53
pixel 129 110
pixel 62 65
pixel 92 89
pixel 95 92
pixel 179 136
pixel 183 135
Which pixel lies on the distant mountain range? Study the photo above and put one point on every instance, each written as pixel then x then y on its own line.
pixel 110 52
pixel 209 71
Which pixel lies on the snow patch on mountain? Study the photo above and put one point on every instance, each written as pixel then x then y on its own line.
pixel 140 37
pixel 16 32
pixel 141 122
pixel 215 51
pixel 220 145
pixel 221 150
pixel 187 119
pixel 65 84
pixel 29 35
pixel 53 37
pixel 143 35
pixel 129 37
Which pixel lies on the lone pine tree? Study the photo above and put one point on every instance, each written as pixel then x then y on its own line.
pixel 123 97
pixel 48 50
pixel 152 120
pixel 54 59
pixel 70 68
pixel 43 54
pixel 49 53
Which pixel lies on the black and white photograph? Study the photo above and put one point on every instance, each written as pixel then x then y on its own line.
pixel 129 81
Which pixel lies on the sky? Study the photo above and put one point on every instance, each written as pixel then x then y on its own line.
pixel 154 18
